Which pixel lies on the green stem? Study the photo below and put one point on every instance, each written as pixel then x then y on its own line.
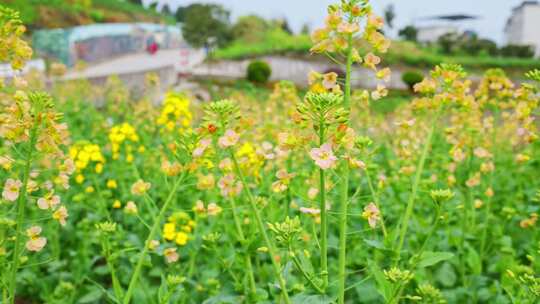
pixel 404 224
pixel 344 189
pixel 465 221
pixel 375 197
pixel 288 165
pixel 151 236
pixel 262 230
pixel 21 205
pixel 300 268
pixel 117 287
pixel 102 201
pixel 435 226
pixel 324 217
pixel 487 212
pixel 242 238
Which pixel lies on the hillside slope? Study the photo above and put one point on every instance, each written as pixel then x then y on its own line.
pixel 38 14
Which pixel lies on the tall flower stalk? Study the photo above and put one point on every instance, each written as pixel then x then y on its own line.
pixel 404 223
pixel 221 115
pixel 324 216
pixel 338 40
pixel 21 208
pixel 344 189
pixel 32 126
pixel 262 230
pixel 243 241
pixel 151 236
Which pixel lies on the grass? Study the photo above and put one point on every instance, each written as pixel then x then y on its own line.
pixel 401 53
pixel 223 89
pixel 276 41
pixel 61 13
pixel 410 54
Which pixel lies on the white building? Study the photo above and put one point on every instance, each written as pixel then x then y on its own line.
pixel 427 34
pixel 523 26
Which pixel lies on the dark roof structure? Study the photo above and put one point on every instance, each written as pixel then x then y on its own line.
pixel 453 18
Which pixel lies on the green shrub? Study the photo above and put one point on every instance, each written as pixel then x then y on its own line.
pixel 97 15
pixel 518 51
pixel 475 47
pixel 258 71
pixel 410 78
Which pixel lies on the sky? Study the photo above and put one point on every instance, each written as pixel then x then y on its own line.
pixel 493 13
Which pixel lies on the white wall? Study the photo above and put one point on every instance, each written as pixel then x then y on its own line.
pixel 531 33
pixel 523 27
pixel 432 33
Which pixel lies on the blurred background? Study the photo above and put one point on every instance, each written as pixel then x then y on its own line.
pixel 186 41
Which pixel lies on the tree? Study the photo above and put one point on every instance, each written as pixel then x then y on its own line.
pixel 205 25
pixel 165 10
pixel 449 43
pixel 409 33
pixel 153 6
pixel 475 46
pixel 180 13
pixel 389 15
pixel 285 26
pixel 305 29
pixel 520 51
pixel 250 28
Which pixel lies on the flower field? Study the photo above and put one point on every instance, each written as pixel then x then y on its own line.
pixel 293 197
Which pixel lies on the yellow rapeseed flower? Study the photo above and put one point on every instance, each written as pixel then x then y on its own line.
pixel 117 204
pixel 181 238
pixel 169 231
pixel 79 178
pixel 111 184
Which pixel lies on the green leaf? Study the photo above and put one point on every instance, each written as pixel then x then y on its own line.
pixel 383 286
pixel 375 244
pixel 311 299
pixel 101 270
pixel 368 292
pixel 473 261
pixel 446 275
pixel 92 296
pixel 222 299
pixel 430 258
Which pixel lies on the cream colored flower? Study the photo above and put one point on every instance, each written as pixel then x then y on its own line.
pixel 140 187
pixel 329 80
pixel 153 245
pixel 213 209
pixel 11 189
pixel 371 60
pixel 380 92
pixel 199 207
pixel 324 156
pixel 171 255
pixel 201 147
pixel 312 193
pixel 131 208
pixel 48 202
pixel 372 214
pixel 229 139
pixel 61 215
pixel 35 242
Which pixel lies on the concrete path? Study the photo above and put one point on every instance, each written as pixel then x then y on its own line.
pixel 182 60
pixel 295 70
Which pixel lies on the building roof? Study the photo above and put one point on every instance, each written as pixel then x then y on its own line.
pixel 526 3
pixel 456 17
pixel 517 8
pixel 83 32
